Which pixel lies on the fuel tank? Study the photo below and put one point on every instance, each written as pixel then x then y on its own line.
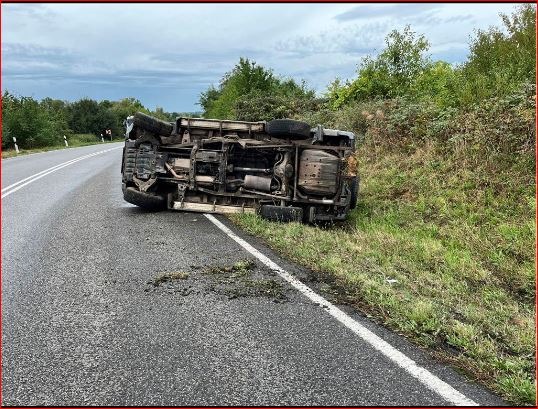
pixel 318 172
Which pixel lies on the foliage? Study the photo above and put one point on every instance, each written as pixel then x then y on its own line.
pixel 392 73
pixel 501 58
pixel 33 124
pixel 37 124
pixel 246 88
pixel 89 116
pixel 259 106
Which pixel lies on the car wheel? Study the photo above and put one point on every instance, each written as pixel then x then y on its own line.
pixel 354 192
pixel 288 128
pixel 152 124
pixel 144 200
pixel 281 214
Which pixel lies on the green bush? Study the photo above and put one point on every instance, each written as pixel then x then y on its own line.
pixel 252 92
pixel 31 123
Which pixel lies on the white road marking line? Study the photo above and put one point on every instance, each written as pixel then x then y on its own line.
pixel 428 379
pixel 26 181
pixel 37 174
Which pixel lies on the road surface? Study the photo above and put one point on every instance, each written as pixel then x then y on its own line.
pixel 84 324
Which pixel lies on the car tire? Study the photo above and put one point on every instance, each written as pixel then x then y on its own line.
pixel 354 192
pixel 144 200
pixel 281 214
pixel 288 128
pixel 152 124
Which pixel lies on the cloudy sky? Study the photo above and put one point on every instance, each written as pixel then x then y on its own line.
pixel 166 54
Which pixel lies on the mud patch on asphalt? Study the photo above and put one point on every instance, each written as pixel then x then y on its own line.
pixel 170 283
pixel 239 280
pixel 167 277
pixel 242 279
pixel 239 269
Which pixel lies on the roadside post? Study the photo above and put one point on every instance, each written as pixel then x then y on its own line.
pixel 102 139
pixel 16 147
pixel 65 140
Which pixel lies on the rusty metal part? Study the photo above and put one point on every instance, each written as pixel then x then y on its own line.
pixel 186 137
pixel 256 170
pixel 283 170
pixel 350 165
pixel 318 172
pixel 171 170
pixel 241 189
pixel 144 185
pixel 262 183
pixel 192 169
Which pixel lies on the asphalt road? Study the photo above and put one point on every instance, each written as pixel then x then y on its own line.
pixel 83 323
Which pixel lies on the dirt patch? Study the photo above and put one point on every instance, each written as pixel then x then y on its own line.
pixel 241 279
pixel 167 277
pixel 237 280
pixel 238 269
pixel 255 288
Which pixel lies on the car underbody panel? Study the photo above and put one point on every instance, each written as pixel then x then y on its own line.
pixel 282 169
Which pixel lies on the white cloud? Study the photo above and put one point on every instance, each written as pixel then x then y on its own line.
pixel 166 54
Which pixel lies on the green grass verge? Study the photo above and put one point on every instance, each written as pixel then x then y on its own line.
pixel 75 141
pixel 438 253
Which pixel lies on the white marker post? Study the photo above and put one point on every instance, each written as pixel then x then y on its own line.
pixel 65 140
pixel 102 139
pixel 16 147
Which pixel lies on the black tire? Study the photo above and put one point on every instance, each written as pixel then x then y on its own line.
pixel 288 128
pixel 282 214
pixel 145 138
pixel 152 124
pixel 144 200
pixel 354 192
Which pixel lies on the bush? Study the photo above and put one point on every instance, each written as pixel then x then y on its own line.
pixel 252 92
pixel 32 124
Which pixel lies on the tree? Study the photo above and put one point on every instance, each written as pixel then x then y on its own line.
pixel 248 82
pixel 33 124
pixel 392 73
pixel 88 116
pixel 500 60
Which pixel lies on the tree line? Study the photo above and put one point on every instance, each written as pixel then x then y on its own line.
pixel 44 123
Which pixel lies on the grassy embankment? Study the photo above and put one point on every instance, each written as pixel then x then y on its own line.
pixel 74 141
pixel 447 210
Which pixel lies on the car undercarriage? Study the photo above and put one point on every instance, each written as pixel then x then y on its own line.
pixel 282 169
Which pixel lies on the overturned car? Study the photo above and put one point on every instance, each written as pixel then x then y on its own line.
pixel 283 169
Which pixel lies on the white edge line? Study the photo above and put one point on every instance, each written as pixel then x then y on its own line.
pixel 428 379
pixel 43 173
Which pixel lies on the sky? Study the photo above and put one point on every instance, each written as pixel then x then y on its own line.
pixel 165 55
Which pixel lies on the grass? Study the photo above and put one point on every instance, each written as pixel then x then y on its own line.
pixel 75 141
pixel 440 252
